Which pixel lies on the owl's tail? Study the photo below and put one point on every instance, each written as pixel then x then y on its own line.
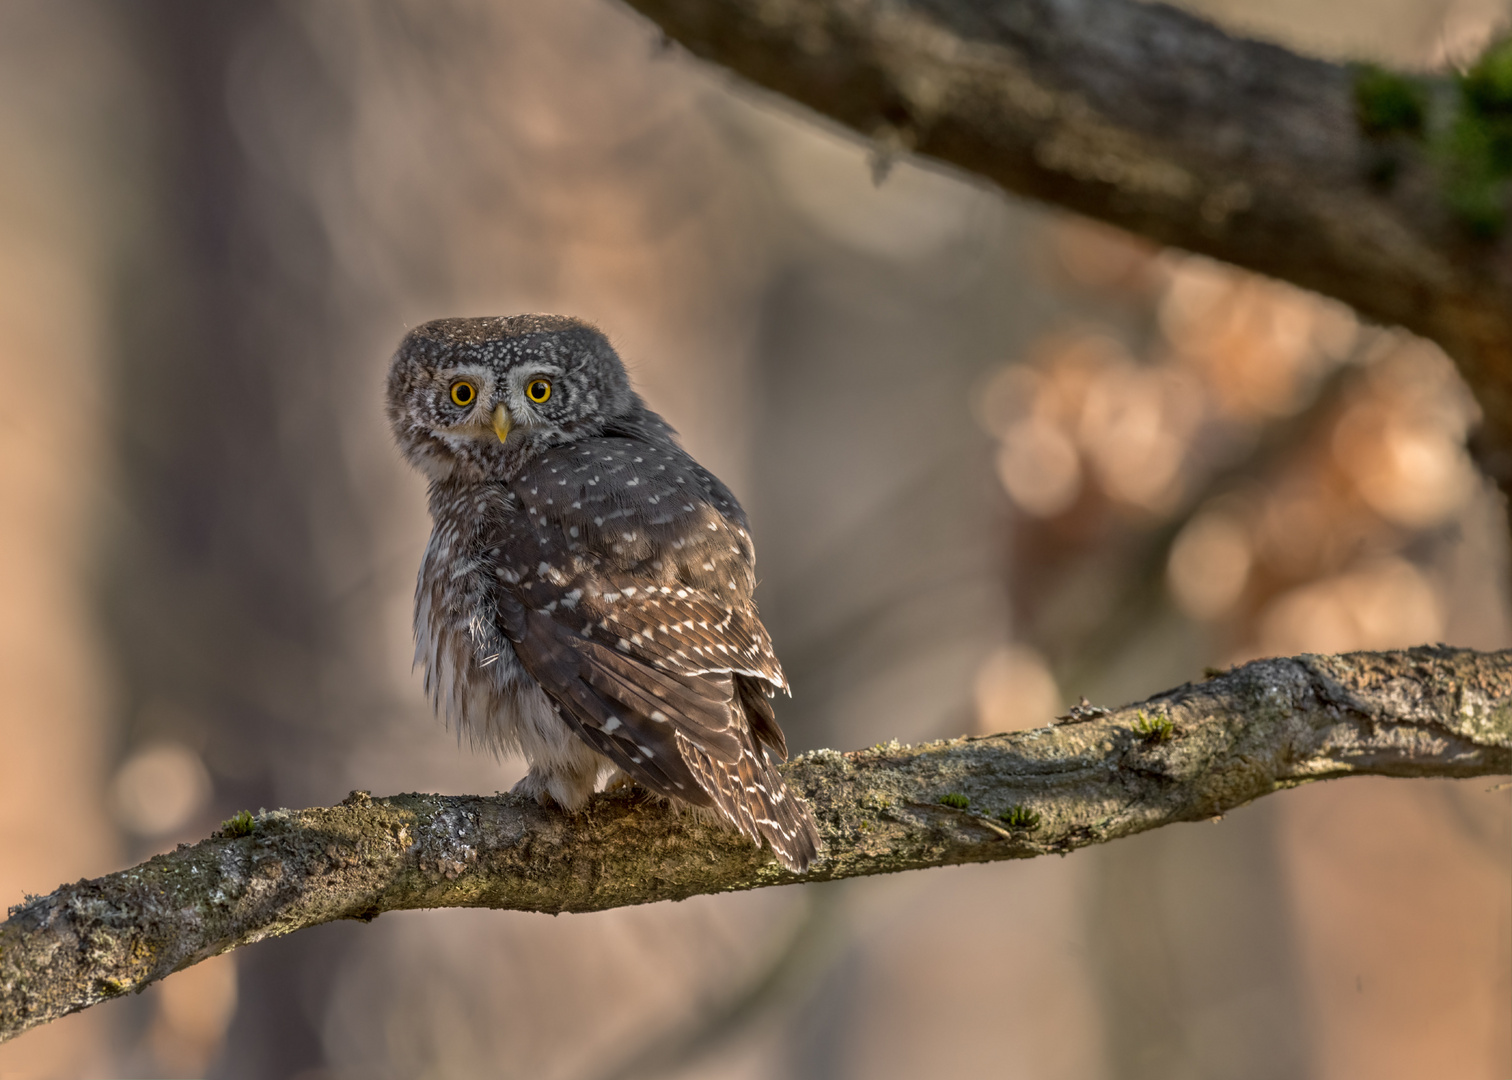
pixel 750 794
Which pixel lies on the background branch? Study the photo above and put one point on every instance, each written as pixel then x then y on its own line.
pixel 1149 118
pixel 1195 752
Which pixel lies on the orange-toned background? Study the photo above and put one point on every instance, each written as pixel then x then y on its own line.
pixel 996 459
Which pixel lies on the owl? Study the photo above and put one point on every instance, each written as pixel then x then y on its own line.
pixel 586 595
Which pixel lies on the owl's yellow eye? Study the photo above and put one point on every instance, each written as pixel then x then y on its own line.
pixel 538 390
pixel 463 393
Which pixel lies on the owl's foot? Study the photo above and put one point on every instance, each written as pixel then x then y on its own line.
pixel 622 782
pixel 567 790
pixel 533 787
pixel 626 786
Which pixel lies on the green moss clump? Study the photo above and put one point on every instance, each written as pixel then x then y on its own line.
pixel 1469 138
pixel 1387 103
pixel 1154 729
pixel 1487 85
pixel 1019 816
pixel 240 823
pixel 1477 147
pixel 958 801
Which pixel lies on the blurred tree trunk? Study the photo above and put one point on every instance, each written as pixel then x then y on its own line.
pixel 215 601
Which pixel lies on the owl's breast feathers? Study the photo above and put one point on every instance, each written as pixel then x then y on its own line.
pixel 624 577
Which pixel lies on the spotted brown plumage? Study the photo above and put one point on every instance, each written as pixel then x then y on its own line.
pixel 587 594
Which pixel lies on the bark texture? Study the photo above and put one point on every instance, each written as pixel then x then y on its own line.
pixel 1151 119
pixel 1195 752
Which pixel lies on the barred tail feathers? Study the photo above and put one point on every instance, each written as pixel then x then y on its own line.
pixel 750 794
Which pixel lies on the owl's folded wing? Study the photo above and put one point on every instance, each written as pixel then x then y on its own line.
pixel 625 576
pixel 673 692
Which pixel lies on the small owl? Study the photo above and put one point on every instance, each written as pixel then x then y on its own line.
pixel 586 596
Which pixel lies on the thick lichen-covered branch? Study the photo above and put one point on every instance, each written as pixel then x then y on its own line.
pixel 1377 190
pixel 1193 753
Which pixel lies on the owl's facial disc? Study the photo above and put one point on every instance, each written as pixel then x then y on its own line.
pixel 476 398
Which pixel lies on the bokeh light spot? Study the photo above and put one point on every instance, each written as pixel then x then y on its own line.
pixel 1209 565
pixel 1015 690
pixel 1039 467
pixel 159 789
pixel 1386 604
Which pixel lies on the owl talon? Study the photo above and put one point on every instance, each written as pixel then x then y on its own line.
pixel 533 786
pixel 564 791
pixel 628 789
pixel 622 782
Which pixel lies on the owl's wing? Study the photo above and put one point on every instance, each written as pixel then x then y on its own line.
pixel 658 660
pixel 649 700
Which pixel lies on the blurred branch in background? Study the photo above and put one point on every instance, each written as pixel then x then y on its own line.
pixel 1189 754
pixel 1158 122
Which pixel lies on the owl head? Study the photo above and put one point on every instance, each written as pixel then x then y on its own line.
pixel 476 398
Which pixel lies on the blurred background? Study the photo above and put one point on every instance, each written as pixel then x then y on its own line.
pixel 996 457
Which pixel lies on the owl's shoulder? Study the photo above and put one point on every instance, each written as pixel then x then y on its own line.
pixel 611 462
pixel 615 505
pixel 616 477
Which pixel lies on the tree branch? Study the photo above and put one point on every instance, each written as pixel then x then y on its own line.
pixel 1195 752
pixel 1151 119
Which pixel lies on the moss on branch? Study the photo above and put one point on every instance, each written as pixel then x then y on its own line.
pixel 1269 725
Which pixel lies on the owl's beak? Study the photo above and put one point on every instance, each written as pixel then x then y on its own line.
pixel 502 422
